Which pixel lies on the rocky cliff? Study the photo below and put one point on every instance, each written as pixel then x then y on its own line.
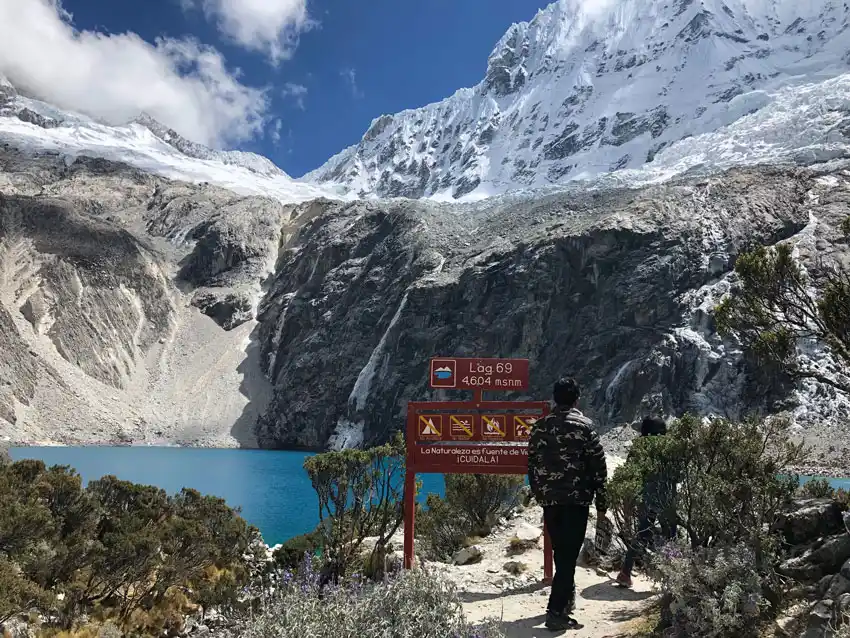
pixel 138 309
pixel 127 304
pixel 613 286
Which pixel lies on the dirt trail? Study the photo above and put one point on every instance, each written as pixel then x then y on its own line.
pixel 489 591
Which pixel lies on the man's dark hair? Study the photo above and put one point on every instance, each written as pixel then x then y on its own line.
pixel 651 426
pixel 566 392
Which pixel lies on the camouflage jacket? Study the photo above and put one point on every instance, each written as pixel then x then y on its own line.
pixel 566 462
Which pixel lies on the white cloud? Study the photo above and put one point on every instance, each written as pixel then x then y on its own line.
pixel 269 26
pixel 297 92
pixel 115 77
pixel 275 131
pixel 350 76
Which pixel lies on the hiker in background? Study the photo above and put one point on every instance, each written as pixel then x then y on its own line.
pixel 659 493
pixel 566 469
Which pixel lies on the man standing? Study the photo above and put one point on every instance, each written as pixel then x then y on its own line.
pixel 566 468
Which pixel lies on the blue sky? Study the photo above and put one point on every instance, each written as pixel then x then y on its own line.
pixel 361 60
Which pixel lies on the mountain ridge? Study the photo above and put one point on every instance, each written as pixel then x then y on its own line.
pixel 573 94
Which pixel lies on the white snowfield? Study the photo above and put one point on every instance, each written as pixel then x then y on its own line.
pixel 136 145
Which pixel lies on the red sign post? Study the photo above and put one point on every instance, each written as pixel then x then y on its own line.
pixel 470 437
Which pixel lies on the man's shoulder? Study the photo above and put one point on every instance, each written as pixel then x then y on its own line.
pixel 580 421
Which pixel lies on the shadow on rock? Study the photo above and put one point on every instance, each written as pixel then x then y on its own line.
pixel 607 591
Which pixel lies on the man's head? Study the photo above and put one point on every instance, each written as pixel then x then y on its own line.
pixel 566 392
pixel 652 426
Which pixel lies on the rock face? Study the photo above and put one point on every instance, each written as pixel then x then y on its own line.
pixel 586 88
pixel 616 287
pixel 820 563
pixel 138 309
pixel 102 268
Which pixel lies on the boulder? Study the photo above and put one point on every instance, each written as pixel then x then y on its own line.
pixel 528 533
pixel 809 520
pixel 819 620
pixel 821 559
pixel 838 586
pixel 468 555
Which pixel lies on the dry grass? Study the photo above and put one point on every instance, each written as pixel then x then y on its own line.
pixel 517 546
pixel 515 567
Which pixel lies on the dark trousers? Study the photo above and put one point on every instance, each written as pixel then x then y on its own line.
pixel 566 525
pixel 645 537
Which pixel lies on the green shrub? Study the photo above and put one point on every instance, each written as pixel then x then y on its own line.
pixel 441 527
pixel 482 499
pixel 18 594
pixel 733 484
pixel 473 505
pixel 414 604
pixel 290 554
pixel 710 592
pixel 121 551
pixel 817 488
pixel 360 494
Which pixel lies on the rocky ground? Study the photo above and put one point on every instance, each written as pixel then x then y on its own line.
pixel 488 590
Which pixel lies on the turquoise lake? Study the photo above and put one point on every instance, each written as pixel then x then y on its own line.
pixel 270 487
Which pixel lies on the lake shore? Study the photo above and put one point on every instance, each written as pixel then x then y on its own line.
pixel 829 471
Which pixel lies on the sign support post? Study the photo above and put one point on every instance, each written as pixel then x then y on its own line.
pixel 470 437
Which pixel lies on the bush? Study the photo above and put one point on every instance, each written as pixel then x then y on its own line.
pixel 441 527
pixel 122 551
pixel 413 604
pixel 290 554
pixel 360 495
pixel 733 485
pixel 817 488
pixel 482 499
pixel 473 505
pixel 710 592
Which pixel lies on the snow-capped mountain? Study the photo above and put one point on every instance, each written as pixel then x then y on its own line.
pixel 34 125
pixel 578 92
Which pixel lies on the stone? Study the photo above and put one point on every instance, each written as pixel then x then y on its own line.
pixel 819 620
pixel 810 519
pixel 528 533
pixel 838 586
pixel 468 555
pixel 823 558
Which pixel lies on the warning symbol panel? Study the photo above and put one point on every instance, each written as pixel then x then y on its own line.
pixel 430 426
pixel 494 426
pixel 522 426
pixel 461 426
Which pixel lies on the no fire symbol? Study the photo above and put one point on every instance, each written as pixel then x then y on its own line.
pixel 522 427
pixel 494 426
pixel 430 426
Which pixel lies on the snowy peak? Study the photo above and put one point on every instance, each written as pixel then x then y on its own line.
pixel 35 126
pixel 251 161
pixel 583 90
